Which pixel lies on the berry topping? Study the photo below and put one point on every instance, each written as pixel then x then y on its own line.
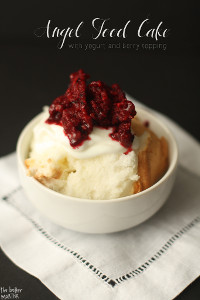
pixel 84 106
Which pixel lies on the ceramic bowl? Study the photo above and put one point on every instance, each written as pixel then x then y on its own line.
pixel 99 216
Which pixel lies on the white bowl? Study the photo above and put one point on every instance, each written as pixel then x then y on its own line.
pixel 99 216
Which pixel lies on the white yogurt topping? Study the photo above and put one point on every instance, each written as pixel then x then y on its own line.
pixel 50 138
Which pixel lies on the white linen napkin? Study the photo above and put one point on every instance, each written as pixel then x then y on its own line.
pixel 155 260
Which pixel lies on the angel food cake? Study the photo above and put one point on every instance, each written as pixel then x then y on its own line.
pixel 90 144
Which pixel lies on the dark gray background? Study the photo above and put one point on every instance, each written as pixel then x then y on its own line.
pixel 33 71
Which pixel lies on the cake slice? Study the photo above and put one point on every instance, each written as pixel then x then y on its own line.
pixel 152 156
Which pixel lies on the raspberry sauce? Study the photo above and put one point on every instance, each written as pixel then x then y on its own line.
pixel 84 106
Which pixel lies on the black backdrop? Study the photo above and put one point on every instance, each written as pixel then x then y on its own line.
pixel 33 71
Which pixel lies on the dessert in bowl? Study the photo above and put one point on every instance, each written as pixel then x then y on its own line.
pixel 94 175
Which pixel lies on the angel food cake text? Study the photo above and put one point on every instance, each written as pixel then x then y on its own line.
pixel 91 145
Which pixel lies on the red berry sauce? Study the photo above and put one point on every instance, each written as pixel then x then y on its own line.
pixel 146 124
pixel 84 106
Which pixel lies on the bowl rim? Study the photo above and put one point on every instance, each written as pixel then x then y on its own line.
pixel 171 168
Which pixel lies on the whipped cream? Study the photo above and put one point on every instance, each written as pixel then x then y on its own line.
pixel 50 139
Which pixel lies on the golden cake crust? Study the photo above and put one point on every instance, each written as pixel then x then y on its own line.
pixel 152 157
